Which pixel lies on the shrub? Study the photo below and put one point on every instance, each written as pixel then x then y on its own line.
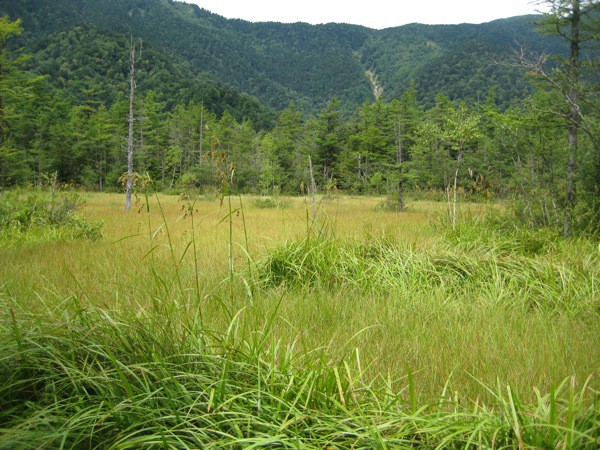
pixel 270 203
pixel 391 205
pixel 53 213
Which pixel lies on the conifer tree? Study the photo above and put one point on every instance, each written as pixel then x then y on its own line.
pixel 9 81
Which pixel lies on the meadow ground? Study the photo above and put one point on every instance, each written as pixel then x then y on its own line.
pixel 391 301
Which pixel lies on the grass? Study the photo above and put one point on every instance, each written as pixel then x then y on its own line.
pixel 367 329
pixel 98 379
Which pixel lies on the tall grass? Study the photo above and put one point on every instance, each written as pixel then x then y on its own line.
pixel 43 215
pixel 101 379
pixel 238 333
pixel 500 267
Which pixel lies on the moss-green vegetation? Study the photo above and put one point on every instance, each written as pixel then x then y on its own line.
pixel 43 215
pixel 226 327
pixel 276 63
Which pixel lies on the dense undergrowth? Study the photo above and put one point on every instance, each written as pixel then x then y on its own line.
pixel 43 215
pixel 521 265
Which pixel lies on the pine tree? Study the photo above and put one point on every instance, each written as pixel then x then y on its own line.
pixel 11 86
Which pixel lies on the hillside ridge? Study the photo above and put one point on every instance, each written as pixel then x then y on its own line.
pixel 302 63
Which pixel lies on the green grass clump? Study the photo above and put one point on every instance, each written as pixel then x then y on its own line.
pixel 270 203
pixel 37 215
pixel 501 235
pixel 329 263
pixel 91 378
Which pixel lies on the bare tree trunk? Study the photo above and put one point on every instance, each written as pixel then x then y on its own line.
pixel 458 161
pixel 313 189
pixel 129 182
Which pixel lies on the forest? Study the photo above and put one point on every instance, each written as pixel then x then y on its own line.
pixel 331 236
pixel 65 111
pixel 276 63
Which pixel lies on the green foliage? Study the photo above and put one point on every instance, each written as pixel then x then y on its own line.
pixel 76 374
pixel 389 205
pixel 461 61
pixel 158 376
pixel 91 66
pixel 15 90
pixel 280 63
pixel 480 257
pixel 95 378
pixel 45 215
pixel 414 139
pixel 270 203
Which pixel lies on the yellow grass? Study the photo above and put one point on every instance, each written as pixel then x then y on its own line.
pixel 438 336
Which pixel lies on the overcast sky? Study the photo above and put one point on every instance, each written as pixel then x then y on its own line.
pixel 370 13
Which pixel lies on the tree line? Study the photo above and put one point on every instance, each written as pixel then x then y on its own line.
pixel 542 154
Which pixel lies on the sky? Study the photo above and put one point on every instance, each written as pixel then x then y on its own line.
pixel 371 13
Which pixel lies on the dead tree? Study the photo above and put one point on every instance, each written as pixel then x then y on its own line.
pixel 130 175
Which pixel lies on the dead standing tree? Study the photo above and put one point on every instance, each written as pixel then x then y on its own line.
pixel 130 175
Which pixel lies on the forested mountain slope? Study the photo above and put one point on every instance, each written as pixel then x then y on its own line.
pixel 461 61
pixel 93 68
pixel 278 63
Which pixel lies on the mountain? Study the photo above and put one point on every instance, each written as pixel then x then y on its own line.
pixel 273 62
pixel 463 61
pixel 92 66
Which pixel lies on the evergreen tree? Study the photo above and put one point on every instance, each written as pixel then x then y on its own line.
pixel 285 142
pixel 12 86
pixel 329 141
pixel 405 116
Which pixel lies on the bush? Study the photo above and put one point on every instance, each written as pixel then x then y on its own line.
pixel 270 203
pixel 53 213
pixel 391 205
